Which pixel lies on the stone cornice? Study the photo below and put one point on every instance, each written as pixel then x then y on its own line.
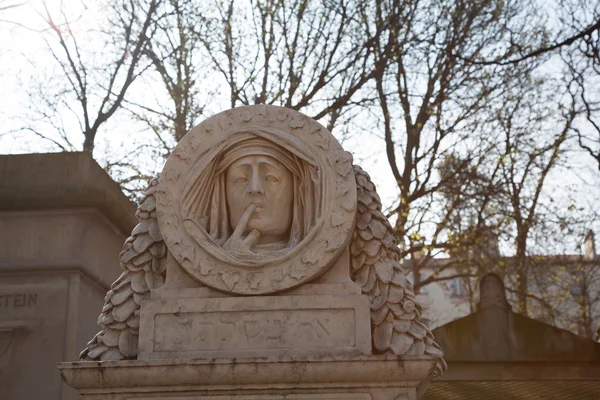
pixel 62 180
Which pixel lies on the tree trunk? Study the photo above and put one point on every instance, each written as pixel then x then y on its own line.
pixel 88 143
pixel 522 265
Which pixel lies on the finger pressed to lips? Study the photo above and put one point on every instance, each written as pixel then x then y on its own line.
pixel 244 220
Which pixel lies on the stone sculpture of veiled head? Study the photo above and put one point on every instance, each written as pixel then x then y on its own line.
pixel 254 171
pixel 257 200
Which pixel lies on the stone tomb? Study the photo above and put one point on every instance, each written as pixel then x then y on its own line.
pixel 261 268
pixel 62 223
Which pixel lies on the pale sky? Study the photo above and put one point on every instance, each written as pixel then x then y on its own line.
pixel 24 55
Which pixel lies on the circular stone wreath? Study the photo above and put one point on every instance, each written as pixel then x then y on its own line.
pixel 207 262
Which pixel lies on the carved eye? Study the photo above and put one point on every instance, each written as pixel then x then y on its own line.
pixel 271 178
pixel 241 179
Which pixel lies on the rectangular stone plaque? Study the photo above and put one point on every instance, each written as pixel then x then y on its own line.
pixel 254 327
pixel 239 330
pixel 315 396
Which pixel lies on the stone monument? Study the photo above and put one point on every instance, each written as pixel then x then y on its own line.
pixel 262 267
pixel 63 221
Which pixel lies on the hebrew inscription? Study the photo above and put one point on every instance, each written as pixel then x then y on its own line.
pixel 255 330
pixel 315 396
pixel 248 327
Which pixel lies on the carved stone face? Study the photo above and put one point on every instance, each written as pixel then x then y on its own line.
pixel 261 198
pixel 267 184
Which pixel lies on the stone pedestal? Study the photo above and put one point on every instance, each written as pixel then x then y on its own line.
pixel 318 378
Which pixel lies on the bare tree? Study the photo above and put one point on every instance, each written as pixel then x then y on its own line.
pixel 175 54
pixel 304 55
pixel 564 287
pixel 94 70
pixel 5 5
pixel 577 39
pixel 583 70
pixel 434 104
pixel 577 26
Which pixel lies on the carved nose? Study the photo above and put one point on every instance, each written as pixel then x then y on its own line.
pixel 256 186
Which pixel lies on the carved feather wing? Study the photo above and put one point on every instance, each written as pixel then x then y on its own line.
pixel 142 271
pixel 395 313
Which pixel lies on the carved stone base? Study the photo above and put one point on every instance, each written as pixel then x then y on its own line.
pixel 320 378
pixel 245 327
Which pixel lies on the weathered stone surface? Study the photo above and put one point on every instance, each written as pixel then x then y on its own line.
pixel 254 327
pixel 323 378
pixel 62 221
pixel 60 181
pixel 313 396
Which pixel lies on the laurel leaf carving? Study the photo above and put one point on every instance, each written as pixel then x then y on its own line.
pixel 142 270
pixel 395 314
